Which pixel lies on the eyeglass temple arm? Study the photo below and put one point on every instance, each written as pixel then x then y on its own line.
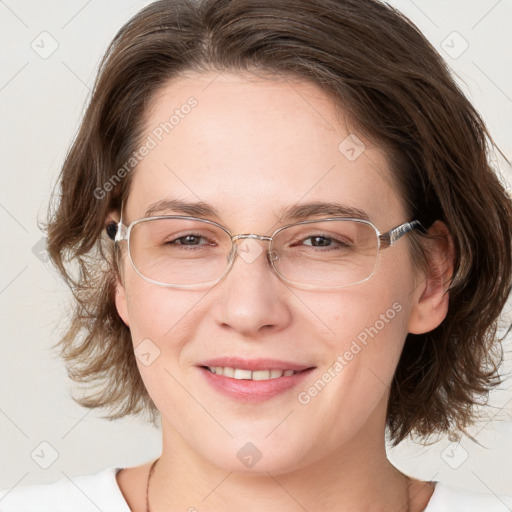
pixel 117 231
pixel 389 238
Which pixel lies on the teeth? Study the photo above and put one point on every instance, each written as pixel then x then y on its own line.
pixel 227 372
pixel 240 374
pixel 261 375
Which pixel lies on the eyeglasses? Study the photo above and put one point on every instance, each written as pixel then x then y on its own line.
pixel 191 253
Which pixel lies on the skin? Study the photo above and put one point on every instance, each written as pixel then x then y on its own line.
pixel 251 147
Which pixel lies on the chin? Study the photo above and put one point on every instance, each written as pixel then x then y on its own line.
pixel 257 458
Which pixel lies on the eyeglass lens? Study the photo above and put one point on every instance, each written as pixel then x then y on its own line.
pixel 321 253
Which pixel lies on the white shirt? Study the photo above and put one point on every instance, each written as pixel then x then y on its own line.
pixel 100 491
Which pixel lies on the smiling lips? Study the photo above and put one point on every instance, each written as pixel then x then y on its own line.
pixel 241 374
pixel 252 369
pixel 252 380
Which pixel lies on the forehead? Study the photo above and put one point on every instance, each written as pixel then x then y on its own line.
pixel 252 147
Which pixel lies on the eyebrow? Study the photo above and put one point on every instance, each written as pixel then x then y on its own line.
pixel 196 209
pixel 294 213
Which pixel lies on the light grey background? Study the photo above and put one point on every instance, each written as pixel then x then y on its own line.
pixel 42 95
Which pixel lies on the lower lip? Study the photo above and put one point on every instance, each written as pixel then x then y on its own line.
pixel 246 390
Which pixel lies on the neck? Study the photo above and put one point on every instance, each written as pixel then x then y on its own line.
pixel 359 477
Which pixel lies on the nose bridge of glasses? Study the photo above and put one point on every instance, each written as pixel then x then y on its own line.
pixel 236 239
pixel 243 236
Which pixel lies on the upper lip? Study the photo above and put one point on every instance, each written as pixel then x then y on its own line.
pixel 254 364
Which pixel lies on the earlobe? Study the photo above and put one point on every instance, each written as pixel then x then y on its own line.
pixel 431 300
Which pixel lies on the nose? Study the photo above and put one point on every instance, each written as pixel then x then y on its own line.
pixel 251 297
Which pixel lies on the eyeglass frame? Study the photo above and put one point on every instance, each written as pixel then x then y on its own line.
pixel 384 240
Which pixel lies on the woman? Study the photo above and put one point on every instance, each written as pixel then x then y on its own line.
pixel 289 243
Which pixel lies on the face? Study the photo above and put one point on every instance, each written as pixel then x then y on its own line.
pixel 251 148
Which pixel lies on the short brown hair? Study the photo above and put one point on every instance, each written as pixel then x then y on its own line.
pixel 399 93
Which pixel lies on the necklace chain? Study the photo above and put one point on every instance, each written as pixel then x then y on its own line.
pixel 152 468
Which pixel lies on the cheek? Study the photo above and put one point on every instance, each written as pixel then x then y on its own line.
pixel 162 321
pixel 359 360
pixel 158 312
pixel 370 336
pixel 370 309
pixel 366 325
pixel 383 315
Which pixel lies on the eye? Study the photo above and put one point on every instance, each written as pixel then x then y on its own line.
pixel 190 239
pixel 325 241
pixel 322 242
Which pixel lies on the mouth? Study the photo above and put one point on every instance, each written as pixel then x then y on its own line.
pixel 253 380
pixel 243 374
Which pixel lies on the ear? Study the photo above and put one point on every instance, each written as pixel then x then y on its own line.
pixel 120 297
pixel 431 297
pixel 121 303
